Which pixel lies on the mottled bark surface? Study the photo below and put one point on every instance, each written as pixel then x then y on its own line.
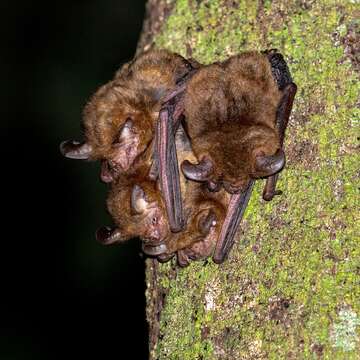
pixel 290 288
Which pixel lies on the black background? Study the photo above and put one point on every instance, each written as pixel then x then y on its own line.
pixel 62 294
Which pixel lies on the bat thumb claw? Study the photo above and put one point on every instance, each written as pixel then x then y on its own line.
pixel 197 172
pixel 270 165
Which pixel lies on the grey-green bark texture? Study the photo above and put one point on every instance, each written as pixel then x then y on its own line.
pixel 290 287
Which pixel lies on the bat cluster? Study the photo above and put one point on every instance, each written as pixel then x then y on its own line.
pixel 222 124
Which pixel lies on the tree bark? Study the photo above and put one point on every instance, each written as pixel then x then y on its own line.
pixel 290 288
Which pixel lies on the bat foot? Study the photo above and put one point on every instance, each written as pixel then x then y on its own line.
pixel 268 196
pixel 155 250
pixel 267 165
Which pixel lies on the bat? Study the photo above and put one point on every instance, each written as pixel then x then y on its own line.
pixel 236 114
pixel 119 119
pixel 137 208
pixel 204 212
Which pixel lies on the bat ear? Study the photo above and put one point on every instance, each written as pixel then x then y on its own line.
pixel 126 145
pixel 75 150
pixel 105 174
pixel 107 236
pixel 269 165
pixel 138 200
pixel 197 172
pixel 207 222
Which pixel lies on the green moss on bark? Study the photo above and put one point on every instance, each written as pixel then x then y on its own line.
pixel 290 288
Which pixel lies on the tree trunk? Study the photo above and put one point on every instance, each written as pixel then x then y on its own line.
pixel 290 287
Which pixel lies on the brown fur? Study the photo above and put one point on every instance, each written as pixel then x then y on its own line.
pixel 134 95
pixel 231 111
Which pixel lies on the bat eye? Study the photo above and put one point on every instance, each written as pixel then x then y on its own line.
pixel 154 220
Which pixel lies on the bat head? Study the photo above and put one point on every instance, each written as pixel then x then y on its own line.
pixel 138 211
pixel 118 126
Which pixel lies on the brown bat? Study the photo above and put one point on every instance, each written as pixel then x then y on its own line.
pixel 204 212
pixel 120 117
pixel 138 210
pixel 236 115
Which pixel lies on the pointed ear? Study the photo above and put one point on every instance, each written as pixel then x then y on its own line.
pixel 75 150
pixel 126 145
pixel 139 202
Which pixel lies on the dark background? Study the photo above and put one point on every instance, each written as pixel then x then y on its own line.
pixel 62 294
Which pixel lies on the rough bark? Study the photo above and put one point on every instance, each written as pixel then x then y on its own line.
pixel 290 288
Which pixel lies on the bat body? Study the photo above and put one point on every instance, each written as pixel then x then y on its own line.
pixel 119 119
pixel 204 213
pixel 230 111
pixel 137 208
pixel 236 114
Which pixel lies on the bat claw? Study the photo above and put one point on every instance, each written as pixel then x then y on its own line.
pixel 197 172
pixel 75 150
pixel 268 196
pixel 154 250
pixel 270 165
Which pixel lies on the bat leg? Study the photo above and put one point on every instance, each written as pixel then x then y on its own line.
pixel 168 168
pixel 235 212
pixel 282 119
pixel 270 188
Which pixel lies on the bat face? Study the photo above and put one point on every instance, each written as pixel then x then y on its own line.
pixel 118 129
pixel 138 211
